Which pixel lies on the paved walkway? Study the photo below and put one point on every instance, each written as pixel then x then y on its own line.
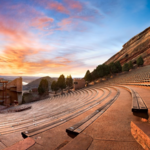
pixel 9 139
pixel 112 131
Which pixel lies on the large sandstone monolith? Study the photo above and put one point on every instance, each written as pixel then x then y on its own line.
pixel 139 45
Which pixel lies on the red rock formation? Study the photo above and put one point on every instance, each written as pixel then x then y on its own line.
pixel 139 45
pixel 16 85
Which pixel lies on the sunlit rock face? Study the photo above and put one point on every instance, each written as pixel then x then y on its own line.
pixel 139 45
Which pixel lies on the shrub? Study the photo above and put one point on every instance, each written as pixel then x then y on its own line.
pixel 125 67
pixel 100 71
pixel 130 65
pixel 113 68
pixel 106 70
pixel 94 74
pixel 118 66
pixel 140 61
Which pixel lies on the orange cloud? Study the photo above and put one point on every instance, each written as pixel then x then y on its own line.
pixel 18 53
pixel 14 61
pixel 21 52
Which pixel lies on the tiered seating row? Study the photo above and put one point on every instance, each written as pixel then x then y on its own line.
pixel 43 117
pixel 66 118
pixel 139 76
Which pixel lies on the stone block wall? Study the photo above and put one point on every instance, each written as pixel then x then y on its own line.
pixel 141 136
pixel 17 84
pixel 78 83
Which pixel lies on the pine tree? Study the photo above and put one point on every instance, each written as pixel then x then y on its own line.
pixel 61 82
pixel 88 76
pixel 54 86
pixel 69 81
pixel 43 87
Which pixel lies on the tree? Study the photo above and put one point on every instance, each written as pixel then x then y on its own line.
pixel 94 74
pixel 140 61
pixel 54 86
pixel 112 67
pixel 43 87
pixel 61 82
pixel 125 67
pixel 106 70
pixel 69 81
pixel 88 76
pixel 100 71
pixel 118 66
pixel 130 65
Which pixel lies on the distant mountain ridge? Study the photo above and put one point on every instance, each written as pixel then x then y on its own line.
pixel 35 83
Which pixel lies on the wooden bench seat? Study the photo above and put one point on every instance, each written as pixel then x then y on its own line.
pixel 138 105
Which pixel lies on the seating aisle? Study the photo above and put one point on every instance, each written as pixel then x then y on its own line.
pixel 112 129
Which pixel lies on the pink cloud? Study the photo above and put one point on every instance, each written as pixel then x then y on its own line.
pixel 65 24
pixel 62 7
pixel 58 7
pixel 72 4
pixel 13 34
pixel 42 22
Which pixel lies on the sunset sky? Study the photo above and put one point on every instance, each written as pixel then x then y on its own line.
pixel 53 37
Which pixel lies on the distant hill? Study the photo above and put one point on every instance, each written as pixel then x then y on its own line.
pixel 137 46
pixel 35 83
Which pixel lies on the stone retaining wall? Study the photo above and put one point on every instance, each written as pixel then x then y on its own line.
pixel 141 133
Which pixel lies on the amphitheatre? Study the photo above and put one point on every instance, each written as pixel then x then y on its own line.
pixel 110 114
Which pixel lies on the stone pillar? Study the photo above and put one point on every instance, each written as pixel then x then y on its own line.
pixel 19 84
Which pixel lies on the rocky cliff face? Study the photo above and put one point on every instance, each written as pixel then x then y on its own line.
pixel 138 45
